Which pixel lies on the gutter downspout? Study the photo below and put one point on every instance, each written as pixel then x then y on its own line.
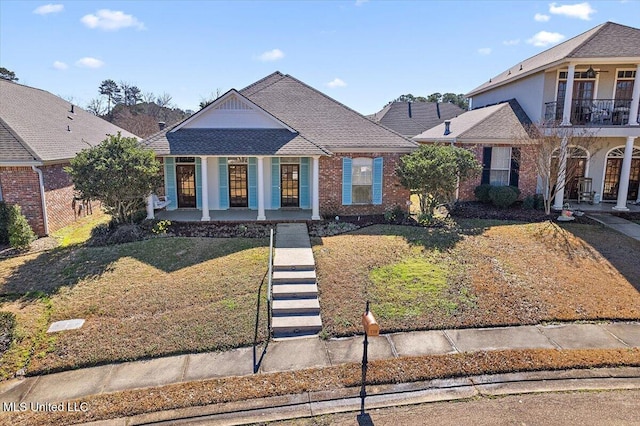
pixel 44 203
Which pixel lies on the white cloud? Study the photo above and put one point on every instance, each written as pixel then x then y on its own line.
pixel 336 82
pixel 48 8
pixel 88 62
pixel 541 17
pixel 581 10
pixel 111 20
pixel 484 51
pixel 60 65
pixel 511 42
pixel 271 55
pixel 545 38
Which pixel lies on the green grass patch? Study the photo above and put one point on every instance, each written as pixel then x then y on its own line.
pixel 80 231
pixel 410 288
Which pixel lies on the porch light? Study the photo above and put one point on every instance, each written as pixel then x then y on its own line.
pixel 591 73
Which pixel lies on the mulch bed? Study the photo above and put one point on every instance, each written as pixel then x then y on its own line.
pixel 477 210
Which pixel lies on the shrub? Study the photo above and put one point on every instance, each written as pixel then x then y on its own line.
pixel 99 235
pixel 395 215
pixel 20 233
pixel 539 202
pixel 126 233
pixel 482 193
pixel 503 196
pixel 4 223
pixel 7 325
pixel 529 202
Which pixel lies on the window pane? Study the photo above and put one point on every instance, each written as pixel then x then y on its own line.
pixel 500 158
pixel 361 194
pixel 362 171
pixel 499 177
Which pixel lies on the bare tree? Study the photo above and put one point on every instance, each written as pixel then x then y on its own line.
pixel 164 100
pixel 96 107
pixel 206 100
pixel 552 151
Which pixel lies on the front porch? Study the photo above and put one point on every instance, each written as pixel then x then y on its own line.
pixel 605 207
pixel 240 215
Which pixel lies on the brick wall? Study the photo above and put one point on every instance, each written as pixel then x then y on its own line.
pixel 393 194
pixel 527 181
pixel 61 208
pixel 20 185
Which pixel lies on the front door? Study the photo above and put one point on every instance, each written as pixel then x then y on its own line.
pixel 289 184
pixel 186 179
pixel 238 193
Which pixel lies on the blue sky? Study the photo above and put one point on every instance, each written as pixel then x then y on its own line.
pixel 362 53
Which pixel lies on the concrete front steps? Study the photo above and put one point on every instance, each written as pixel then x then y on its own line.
pixel 295 307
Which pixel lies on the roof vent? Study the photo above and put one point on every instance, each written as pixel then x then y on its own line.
pixel 162 125
pixel 520 67
pixel 438 109
pixel 71 110
pixel 447 127
pixel 409 103
pixel 68 128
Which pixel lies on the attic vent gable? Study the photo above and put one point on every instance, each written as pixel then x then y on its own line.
pixel 233 104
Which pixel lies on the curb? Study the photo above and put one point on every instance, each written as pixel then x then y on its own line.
pixel 311 404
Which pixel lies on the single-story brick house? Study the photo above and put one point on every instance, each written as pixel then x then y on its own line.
pixel 497 135
pixel 280 144
pixel 39 134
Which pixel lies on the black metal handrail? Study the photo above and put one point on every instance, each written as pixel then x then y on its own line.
pixel 592 112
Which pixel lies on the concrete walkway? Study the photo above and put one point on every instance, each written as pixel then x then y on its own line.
pixel 621 225
pixel 295 354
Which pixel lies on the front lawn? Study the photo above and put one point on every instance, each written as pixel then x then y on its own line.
pixel 144 299
pixel 475 274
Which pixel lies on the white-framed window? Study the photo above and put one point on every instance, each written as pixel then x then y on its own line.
pixel 362 180
pixel 500 166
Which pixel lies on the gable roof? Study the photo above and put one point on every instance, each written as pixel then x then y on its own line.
pixel 412 118
pixel 608 40
pixel 37 126
pixel 320 124
pixel 505 122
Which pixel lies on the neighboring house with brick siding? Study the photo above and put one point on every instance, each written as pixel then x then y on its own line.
pixel 590 83
pixel 281 144
pixel 496 134
pixel 39 134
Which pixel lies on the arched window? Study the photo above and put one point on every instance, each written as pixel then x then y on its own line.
pixel 613 171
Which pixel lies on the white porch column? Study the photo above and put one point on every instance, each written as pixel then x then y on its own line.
pixel 568 97
pixel 205 189
pixel 261 215
pixel 315 196
pixel 625 173
pixel 635 99
pixel 562 173
pixel 150 214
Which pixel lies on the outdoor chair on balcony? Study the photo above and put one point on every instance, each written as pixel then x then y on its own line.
pixel 584 190
pixel 601 116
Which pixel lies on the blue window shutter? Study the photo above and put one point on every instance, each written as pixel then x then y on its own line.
pixel 346 181
pixel 376 196
pixel 224 182
pixel 170 182
pixel 304 183
pixel 199 183
pixel 275 183
pixel 253 183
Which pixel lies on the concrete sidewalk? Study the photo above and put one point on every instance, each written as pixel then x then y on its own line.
pixel 295 354
pixel 619 224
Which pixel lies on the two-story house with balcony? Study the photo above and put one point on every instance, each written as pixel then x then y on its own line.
pixel 590 82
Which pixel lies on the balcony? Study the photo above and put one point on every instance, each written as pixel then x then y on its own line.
pixel 591 112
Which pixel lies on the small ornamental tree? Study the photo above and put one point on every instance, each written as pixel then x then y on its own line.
pixel 433 172
pixel 20 233
pixel 118 172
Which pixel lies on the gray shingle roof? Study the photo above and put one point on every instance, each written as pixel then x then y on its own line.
pixel 608 40
pixel 242 142
pixel 506 122
pixel 323 126
pixel 424 115
pixel 37 121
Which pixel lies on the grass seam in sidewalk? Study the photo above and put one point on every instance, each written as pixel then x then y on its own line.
pixel 391 371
